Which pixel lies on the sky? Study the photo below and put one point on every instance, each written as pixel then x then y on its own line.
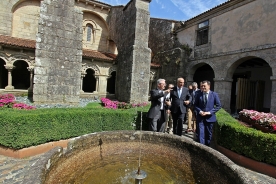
pixel 174 9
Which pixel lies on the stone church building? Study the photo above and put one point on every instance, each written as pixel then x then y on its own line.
pixel 59 51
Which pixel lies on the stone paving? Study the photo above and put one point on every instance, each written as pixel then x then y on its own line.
pixel 13 171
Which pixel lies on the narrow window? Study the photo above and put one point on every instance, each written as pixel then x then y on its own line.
pixel 89 29
pixel 202 33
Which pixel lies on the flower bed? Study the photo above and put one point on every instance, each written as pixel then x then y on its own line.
pixel 266 122
pixel 8 101
pixel 109 104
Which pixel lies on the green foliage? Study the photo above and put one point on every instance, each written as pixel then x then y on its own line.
pixel 187 48
pixel 20 128
pixel 249 142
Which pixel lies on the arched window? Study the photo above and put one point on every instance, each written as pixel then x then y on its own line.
pixel 89 31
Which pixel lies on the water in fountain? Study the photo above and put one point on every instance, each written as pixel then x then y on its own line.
pixel 139 175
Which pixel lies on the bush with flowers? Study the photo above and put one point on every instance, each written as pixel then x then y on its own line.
pixel 109 104
pixel 264 119
pixel 8 101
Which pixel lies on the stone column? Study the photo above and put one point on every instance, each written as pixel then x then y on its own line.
pixel 273 95
pixel 223 87
pixel 152 78
pixel 31 70
pixel 82 76
pixel 134 55
pixel 58 53
pixel 30 89
pixel 102 84
pixel 97 84
pixel 9 68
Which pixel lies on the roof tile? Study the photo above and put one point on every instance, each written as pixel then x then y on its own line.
pixel 25 43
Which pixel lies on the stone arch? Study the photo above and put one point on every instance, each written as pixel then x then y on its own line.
pixel 85 25
pixel 4 59
pixel 112 69
pixel 252 85
pixel 89 80
pixel 191 69
pixel 100 31
pixel 111 82
pixel 3 73
pixel 25 26
pixel 20 74
pixel 99 16
pixel 236 61
pixel 96 69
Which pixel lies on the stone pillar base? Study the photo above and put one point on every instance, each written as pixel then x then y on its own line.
pixel 9 88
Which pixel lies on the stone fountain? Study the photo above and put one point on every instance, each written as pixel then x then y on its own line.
pixel 112 157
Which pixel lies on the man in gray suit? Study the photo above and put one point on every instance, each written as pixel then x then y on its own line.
pixel 180 98
pixel 157 109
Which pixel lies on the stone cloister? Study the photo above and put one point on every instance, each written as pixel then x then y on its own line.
pixel 101 74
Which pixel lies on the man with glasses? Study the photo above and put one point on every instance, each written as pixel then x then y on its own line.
pixel 156 113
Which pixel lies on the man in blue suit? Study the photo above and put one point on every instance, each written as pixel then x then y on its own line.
pixel 207 103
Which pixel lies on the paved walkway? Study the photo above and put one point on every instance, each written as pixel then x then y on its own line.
pixel 12 171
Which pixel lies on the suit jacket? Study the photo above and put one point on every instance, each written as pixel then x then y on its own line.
pixel 212 106
pixel 155 96
pixel 177 102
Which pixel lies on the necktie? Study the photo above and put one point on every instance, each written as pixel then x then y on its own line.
pixel 205 98
pixel 179 92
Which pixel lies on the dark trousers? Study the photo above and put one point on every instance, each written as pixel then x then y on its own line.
pixel 178 119
pixel 157 124
pixel 205 131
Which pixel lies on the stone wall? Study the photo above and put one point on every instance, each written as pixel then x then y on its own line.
pixel 129 27
pixel 6 16
pixel 58 53
pixel 166 49
pixel 161 35
pixel 25 20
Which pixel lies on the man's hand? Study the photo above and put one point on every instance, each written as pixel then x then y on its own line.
pixel 168 103
pixel 186 102
pixel 204 113
pixel 168 111
pixel 167 91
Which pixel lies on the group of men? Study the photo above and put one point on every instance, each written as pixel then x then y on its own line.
pixel 200 105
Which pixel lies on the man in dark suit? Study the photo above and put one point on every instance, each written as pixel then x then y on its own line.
pixel 180 98
pixel 156 113
pixel 207 103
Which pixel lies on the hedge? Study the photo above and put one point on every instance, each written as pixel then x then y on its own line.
pixel 246 141
pixel 24 128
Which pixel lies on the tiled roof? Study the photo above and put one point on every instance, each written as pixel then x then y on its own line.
pixel 222 4
pixel 155 65
pixel 25 43
pixel 98 55
pixel 12 41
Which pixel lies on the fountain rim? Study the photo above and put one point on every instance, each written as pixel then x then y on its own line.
pixel 38 172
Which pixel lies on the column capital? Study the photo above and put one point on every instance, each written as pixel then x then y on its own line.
pixel 30 69
pixel 9 67
pixel 223 79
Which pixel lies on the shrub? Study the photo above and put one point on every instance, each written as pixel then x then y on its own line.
pixel 249 142
pixel 20 129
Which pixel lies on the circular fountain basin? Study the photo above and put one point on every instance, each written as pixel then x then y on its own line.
pixel 112 157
